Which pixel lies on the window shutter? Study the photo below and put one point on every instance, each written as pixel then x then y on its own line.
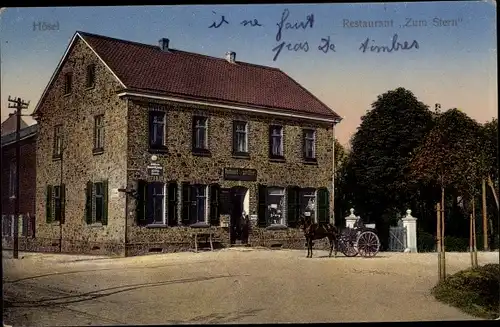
pixel 292 206
pixel 63 203
pixel 172 204
pixel 141 203
pixel 48 205
pixel 88 202
pixel 323 206
pixel 304 154
pixel 186 203
pixel 214 205
pixel 193 132
pixel 151 130
pixel 104 220
pixel 235 142
pixel 262 213
pixel 270 141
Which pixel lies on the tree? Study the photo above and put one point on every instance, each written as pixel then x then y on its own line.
pixel 381 149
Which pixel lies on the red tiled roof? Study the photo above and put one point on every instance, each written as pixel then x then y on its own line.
pixel 9 125
pixel 179 73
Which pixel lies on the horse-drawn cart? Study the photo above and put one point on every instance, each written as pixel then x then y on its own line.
pixel 361 239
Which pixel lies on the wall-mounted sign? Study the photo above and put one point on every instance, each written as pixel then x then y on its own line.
pixel 155 169
pixel 240 174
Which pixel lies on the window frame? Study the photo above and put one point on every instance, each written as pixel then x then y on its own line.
pixel 305 140
pixel 195 198
pixel 153 127
pixel 57 202
pixel 68 83
pixel 90 76
pixel 150 197
pixel 98 129
pixel 272 136
pixel 204 149
pixel 236 132
pixel 309 190
pixel 57 141
pixel 95 195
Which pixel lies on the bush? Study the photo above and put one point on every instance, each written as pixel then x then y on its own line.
pixel 425 242
pixel 474 291
pixel 456 244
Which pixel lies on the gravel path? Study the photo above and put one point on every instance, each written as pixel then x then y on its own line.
pixel 227 286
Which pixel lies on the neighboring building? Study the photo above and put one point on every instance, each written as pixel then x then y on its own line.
pixel 227 137
pixel 9 125
pixel 27 177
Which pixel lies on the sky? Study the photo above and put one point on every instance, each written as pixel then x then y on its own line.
pixel 447 53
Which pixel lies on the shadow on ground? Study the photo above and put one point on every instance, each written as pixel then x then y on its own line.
pixel 67 299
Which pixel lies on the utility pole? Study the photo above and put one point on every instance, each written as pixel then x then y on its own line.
pixel 19 105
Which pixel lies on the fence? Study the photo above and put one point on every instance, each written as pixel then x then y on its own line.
pixel 397 238
pixel 26 225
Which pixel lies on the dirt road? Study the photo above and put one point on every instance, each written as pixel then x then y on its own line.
pixel 226 286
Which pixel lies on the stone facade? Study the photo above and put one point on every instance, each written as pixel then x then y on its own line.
pixel 79 165
pixel 126 155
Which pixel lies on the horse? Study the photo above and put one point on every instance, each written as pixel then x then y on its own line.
pixel 314 231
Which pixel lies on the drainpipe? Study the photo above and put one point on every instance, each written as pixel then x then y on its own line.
pixel 126 185
pixel 333 168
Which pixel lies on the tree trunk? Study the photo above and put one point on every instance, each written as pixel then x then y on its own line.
pixel 485 217
pixel 443 248
pixel 474 231
pixel 438 240
pixel 493 190
pixel 471 242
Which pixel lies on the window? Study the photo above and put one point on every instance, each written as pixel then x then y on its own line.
pixel 309 144
pixel 275 206
pixel 194 204
pixel 57 151
pixel 68 83
pixel 200 192
pixel 307 199
pixel 99 133
pixel 156 203
pixel 12 178
pixel 240 138
pixel 157 129
pixel 276 141
pixel 90 78
pixel 200 133
pixel 55 203
pixel 96 204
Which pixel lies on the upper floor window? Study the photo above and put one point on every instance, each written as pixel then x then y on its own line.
pixel 157 129
pixel 200 134
pixel 57 149
pixel 276 141
pixel 240 137
pixel 99 133
pixel 309 149
pixel 68 83
pixel 12 178
pixel 90 78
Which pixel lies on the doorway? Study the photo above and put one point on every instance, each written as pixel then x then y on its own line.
pixel 238 229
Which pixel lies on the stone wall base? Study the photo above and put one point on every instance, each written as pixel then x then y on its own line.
pixel 259 237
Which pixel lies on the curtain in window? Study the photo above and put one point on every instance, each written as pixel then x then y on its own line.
pixel 241 137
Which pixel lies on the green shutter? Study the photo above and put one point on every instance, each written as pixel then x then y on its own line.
pixel 63 203
pixel 88 202
pixel 214 205
pixel 292 201
pixel 48 205
pixel 141 201
pixel 105 202
pixel 186 203
pixel 262 205
pixel 172 204
pixel 323 205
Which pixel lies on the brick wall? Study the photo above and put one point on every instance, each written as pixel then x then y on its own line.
pixel 27 176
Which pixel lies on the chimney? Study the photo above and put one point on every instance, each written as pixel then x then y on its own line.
pixel 163 43
pixel 231 56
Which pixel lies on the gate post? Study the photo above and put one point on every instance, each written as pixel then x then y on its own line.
pixel 351 219
pixel 410 223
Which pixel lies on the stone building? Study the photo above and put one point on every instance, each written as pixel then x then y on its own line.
pixel 139 145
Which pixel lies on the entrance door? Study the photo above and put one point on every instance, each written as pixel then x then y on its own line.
pixel 235 225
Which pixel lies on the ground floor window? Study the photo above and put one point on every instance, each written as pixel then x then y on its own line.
pixel 276 205
pixel 307 203
pixel 55 203
pixel 194 204
pixel 156 203
pixel 96 204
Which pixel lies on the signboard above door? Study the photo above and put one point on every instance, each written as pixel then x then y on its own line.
pixel 240 174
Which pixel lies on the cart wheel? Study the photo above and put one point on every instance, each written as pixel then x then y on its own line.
pixel 368 244
pixel 348 246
